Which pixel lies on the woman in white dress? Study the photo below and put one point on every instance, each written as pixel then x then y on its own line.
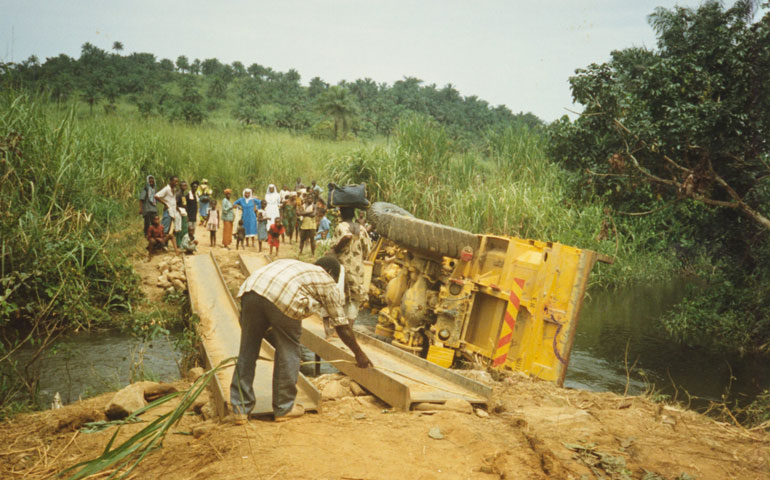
pixel 273 198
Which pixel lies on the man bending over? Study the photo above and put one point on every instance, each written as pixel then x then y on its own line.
pixel 278 296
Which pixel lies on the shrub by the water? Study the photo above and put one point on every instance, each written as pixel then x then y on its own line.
pixel 58 270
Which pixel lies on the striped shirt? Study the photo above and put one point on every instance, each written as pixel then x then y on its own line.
pixel 298 289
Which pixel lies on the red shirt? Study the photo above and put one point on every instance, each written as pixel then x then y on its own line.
pixel 276 231
pixel 155 231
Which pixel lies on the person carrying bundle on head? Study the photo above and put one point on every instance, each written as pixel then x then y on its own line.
pixel 351 244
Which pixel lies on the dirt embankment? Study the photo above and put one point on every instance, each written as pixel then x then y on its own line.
pixel 533 430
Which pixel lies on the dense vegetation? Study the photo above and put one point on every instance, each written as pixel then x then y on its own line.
pixel 255 95
pixel 681 134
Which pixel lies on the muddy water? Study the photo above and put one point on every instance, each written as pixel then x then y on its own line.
pixel 87 364
pixel 611 322
pixel 628 318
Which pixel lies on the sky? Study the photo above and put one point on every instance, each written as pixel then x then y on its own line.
pixel 511 52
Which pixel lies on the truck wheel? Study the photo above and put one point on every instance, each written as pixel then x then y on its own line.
pixel 398 225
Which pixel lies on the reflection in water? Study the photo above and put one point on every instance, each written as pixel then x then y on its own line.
pixel 90 363
pixel 610 320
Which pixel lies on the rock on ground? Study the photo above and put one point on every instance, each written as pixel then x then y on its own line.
pixel 335 390
pixel 135 396
pixel 125 402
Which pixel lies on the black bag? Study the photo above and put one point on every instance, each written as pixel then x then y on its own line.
pixel 348 196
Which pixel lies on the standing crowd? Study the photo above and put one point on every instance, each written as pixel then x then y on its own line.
pixel 299 214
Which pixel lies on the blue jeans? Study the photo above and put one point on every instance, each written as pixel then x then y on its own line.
pixel 167 222
pixel 258 315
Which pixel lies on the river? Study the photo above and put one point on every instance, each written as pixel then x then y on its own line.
pixel 617 329
pixel 620 328
pixel 86 364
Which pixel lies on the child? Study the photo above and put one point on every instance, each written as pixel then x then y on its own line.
pixel 274 235
pixel 180 225
pixel 289 215
pixel 262 224
pixel 240 235
pixel 213 222
pixel 189 244
pixel 299 204
pixel 323 229
pixel 156 239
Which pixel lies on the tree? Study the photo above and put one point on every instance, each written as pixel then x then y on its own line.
pixel 239 69
pixel 189 107
pixel 218 87
pixel 689 123
pixel 182 63
pixel 211 66
pixel 117 46
pixel 691 119
pixel 338 104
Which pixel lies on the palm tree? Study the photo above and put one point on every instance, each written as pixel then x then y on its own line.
pixel 117 46
pixel 339 104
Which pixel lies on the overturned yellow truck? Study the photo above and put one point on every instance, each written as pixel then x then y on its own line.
pixel 499 301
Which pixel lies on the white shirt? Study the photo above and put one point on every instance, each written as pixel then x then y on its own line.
pixel 166 195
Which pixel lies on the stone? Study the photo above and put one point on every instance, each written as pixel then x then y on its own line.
pixel 154 390
pixel 208 412
pixel 200 430
pixel 357 389
pixel 195 373
pixel 334 391
pixel 125 402
pixel 359 416
pixel 435 433
pixel 200 402
pixel 458 405
pixel 481 413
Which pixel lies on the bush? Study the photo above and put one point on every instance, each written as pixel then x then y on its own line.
pixel 58 272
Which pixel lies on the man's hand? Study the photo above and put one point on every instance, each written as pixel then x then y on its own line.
pixel 348 338
pixel 362 361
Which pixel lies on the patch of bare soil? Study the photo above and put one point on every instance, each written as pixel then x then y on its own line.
pixel 532 430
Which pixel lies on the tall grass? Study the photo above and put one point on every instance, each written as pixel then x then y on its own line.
pixel 229 157
pixel 510 189
pixel 58 271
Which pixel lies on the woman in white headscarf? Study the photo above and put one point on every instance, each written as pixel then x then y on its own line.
pixel 248 206
pixel 273 198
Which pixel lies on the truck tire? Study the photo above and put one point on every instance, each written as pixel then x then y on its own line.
pixel 434 239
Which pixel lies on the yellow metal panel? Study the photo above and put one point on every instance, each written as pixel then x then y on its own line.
pixel 441 356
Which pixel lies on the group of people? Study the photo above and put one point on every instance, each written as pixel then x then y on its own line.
pixel 181 208
pixel 298 213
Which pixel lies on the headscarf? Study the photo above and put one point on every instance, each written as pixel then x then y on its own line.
pixel 227 190
pixel 150 190
pixel 243 194
pixel 275 192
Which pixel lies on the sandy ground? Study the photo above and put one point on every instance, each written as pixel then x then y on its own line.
pixel 533 430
